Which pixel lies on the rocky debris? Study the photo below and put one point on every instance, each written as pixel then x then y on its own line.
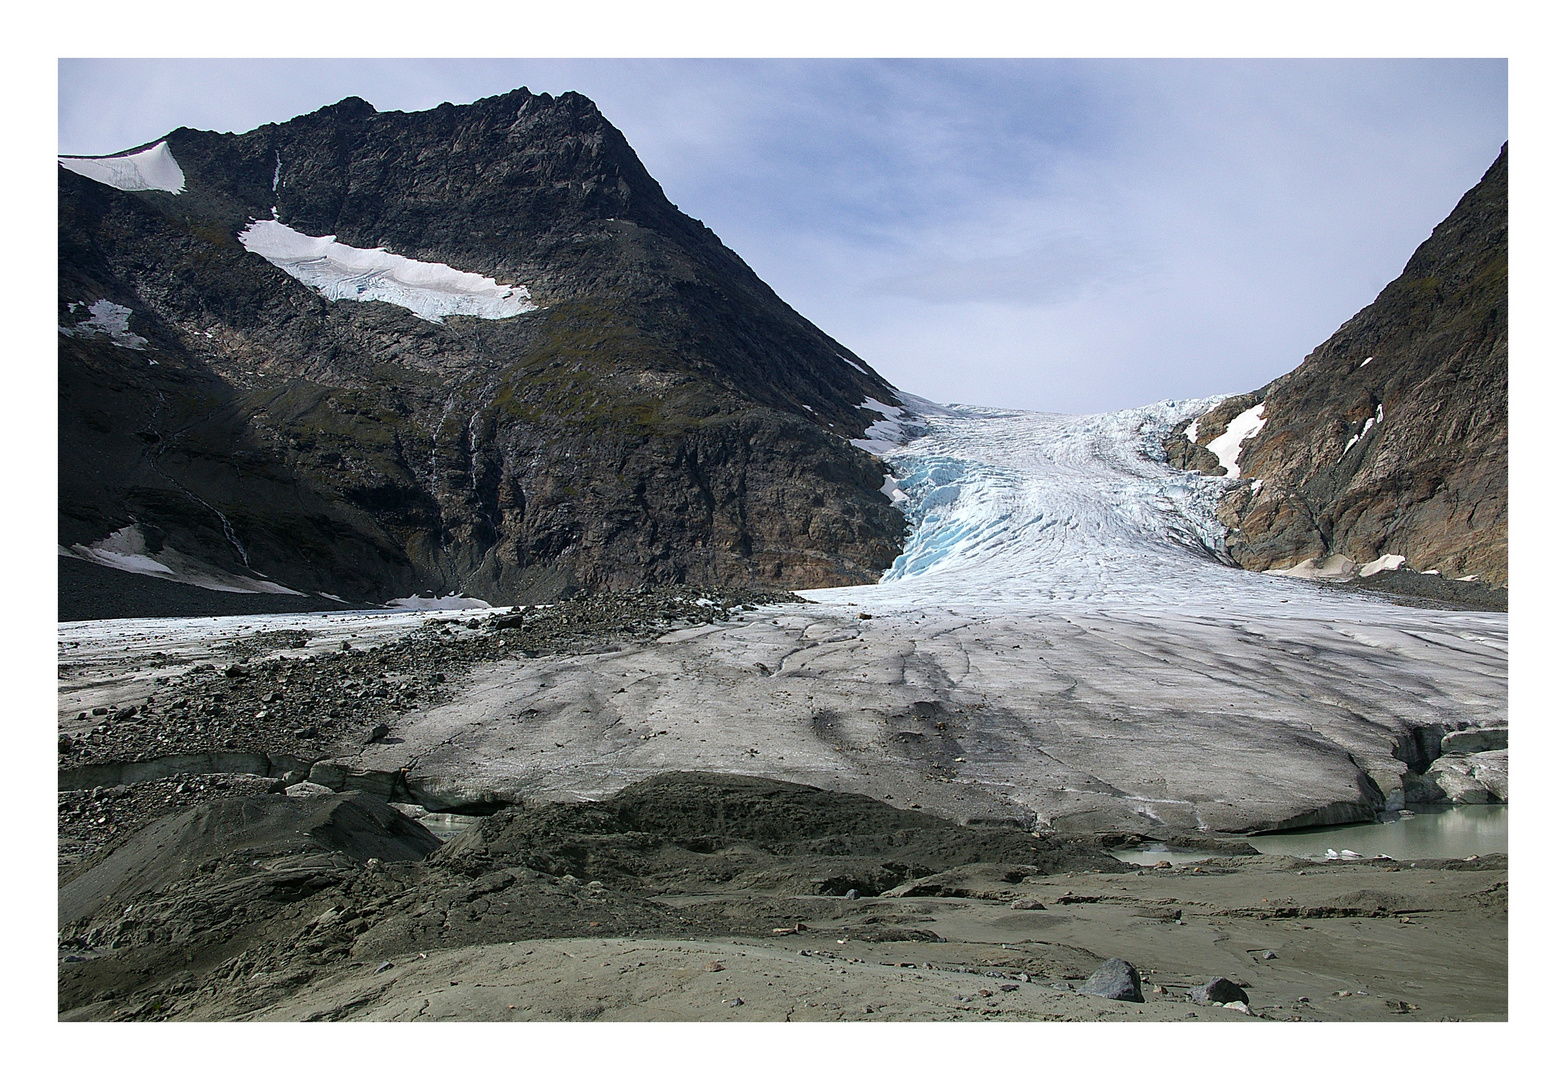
pixel 255 894
pixel 1115 979
pixel 310 708
pixel 741 830
pixel 1219 991
pixel 1390 439
pixel 93 821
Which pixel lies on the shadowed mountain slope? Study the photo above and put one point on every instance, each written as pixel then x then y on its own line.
pixel 659 416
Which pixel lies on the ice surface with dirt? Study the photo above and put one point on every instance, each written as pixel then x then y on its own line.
pixel 432 291
pixel 152 169
pixel 1059 644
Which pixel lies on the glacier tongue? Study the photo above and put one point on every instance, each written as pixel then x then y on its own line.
pixel 1020 506
pixel 431 291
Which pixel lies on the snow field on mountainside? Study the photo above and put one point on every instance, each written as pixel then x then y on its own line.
pixel 1227 446
pixel 111 319
pixel 432 291
pixel 152 169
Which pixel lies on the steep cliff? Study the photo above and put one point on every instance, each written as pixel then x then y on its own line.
pixel 1387 446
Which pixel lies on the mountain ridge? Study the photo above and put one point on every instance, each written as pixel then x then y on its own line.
pixel 663 416
pixel 1389 441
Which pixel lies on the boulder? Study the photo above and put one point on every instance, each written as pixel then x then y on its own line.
pixel 1218 991
pixel 1115 979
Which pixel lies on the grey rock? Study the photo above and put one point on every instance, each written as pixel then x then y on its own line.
pixel 1115 979
pixel 1218 991
pixel 328 775
pixel 305 788
pixel 1027 904
pixel 377 733
pixel 1474 740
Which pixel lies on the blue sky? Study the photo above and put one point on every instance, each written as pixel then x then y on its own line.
pixel 1068 235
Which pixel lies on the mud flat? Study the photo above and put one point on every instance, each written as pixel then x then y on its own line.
pixel 703 897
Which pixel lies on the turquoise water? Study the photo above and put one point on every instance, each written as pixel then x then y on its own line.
pixel 1449 833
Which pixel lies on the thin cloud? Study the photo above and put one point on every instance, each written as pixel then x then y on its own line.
pixel 1071 235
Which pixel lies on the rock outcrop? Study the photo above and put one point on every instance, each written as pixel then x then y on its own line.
pixel 1387 446
pixel 650 412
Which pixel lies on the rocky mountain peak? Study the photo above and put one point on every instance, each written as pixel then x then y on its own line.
pixel 652 412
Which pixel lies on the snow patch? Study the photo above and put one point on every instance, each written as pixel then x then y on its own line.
pixel 853 363
pixel 126 549
pixel 895 428
pixel 1242 427
pixel 108 318
pixel 152 169
pixel 432 291
pixel 1190 432
pixel 1386 562
pixel 1337 568
pixel 1365 361
pixel 893 491
pixel 1370 422
pixel 450 602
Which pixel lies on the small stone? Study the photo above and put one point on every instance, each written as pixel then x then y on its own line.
pixel 1116 980
pixel 386 965
pixel 1269 955
pixel 1027 904
pixel 377 733
pixel 1218 991
pixel 1238 1006
pixel 306 733
pixel 66 745
pixel 851 894
pixel 713 965
pixel 735 1003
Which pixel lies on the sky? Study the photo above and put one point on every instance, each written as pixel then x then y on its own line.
pixel 1062 235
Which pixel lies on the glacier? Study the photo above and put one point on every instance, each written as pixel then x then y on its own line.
pixel 1061 643
pixel 432 291
pixel 152 169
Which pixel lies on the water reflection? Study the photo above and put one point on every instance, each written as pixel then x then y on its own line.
pixel 446 826
pixel 1453 833
pixel 1448 833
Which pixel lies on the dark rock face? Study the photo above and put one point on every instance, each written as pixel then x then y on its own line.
pixel 1116 980
pixel 1390 438
pixel 663 417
